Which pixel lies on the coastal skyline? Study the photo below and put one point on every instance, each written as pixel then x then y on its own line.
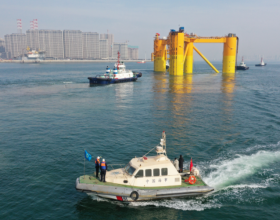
pixel 251 21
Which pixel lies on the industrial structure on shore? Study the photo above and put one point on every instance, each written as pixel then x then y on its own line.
pixel 178 48
pixel 66 44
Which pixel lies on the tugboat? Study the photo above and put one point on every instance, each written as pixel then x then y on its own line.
pixel 117 75
pixel 261 63
pixel 146 178
pixel 242 66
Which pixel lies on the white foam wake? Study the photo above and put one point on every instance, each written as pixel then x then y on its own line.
pixel 227 172
pixel 197 204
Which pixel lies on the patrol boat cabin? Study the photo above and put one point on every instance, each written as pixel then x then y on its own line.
pixel 152 171
pixel 145 178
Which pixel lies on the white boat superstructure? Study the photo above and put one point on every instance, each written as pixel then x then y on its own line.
pixel 35 55
pixel 242 63
pixel 120 71
pixel 148 171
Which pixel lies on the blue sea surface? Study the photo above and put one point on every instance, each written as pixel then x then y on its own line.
pixel 229 124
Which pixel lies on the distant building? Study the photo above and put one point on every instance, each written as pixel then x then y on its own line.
pixel 110 38
pixel 104 53
pixel 2 49
pixel 91 48
pixel 73 44
pixel 51 41
pixel 15 45
pixel 133 52
pixel 32 38
pixel 122 48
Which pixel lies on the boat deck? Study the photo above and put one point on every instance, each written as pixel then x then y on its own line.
pixel 89 179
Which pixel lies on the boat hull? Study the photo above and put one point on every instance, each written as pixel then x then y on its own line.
pixel 260 64
pixel 241 67
pixel 105 81
pixel 133 194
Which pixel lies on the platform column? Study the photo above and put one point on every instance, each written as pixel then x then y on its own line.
pixel 159 55
pixel 229 55
pixel 188 66
pixel 176 55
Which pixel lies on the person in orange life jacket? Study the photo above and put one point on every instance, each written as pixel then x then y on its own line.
pixel 97 165
pixel 103 167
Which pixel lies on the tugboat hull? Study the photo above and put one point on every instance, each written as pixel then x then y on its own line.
pixel 104 81
pixel 132 194
pixel 241 67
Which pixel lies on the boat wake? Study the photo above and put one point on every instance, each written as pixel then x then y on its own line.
pixel 237 177
pixel 225 173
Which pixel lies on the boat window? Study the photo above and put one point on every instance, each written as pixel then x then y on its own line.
pixel 139 174
pixel 129 169
pixel 148 172
pixel 156 172
pixel 164 171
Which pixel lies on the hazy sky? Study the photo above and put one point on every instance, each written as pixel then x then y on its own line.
pixel 255 22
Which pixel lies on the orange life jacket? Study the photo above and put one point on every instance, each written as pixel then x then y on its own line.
pixel 103 166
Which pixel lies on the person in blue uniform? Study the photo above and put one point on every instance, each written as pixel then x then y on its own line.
pixel 103 167
pixel 97 165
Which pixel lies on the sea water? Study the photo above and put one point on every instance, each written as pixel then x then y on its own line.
pixel 229 124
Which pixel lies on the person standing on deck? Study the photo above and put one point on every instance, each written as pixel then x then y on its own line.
pixel 176 164
pixel 181 161
pixel 103 167
pixel 97 165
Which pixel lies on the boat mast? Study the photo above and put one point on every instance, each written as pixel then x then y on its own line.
pixel 119 55
pixel 163 142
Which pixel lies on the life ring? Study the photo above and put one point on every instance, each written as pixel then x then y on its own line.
pixel 134 195
pixel 192 180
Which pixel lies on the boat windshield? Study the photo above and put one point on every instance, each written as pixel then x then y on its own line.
pixel 129 169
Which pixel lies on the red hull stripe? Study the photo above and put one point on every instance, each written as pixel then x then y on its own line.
pixel 119 198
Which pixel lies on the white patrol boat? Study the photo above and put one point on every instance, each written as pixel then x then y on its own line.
pixel 117 75
pixel 145 178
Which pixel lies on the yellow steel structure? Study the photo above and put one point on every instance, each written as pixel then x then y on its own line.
pixel 181 48
pixel 188 65
pixel 229 56
pixel 160 54
pixel 176 54
pixel 207 61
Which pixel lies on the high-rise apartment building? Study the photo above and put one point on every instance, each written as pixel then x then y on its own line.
pixel 122 48
pixel 91 48
pixel 51 41
pixel 73 44
pixel 2 49
pixel 133 52
pixel 110 38
pixel 15 45
pixel 32 38
pixel 104 54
